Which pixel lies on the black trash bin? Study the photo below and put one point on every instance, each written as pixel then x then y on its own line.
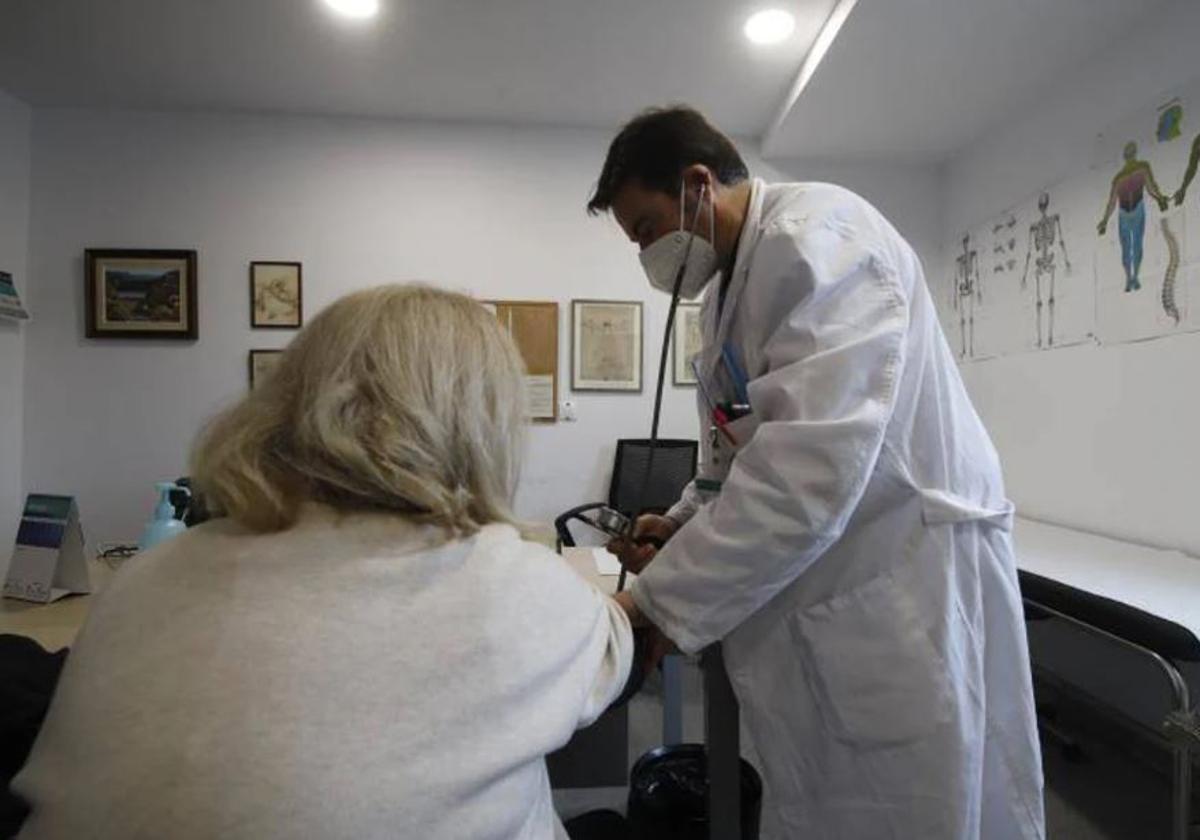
pixel 668 795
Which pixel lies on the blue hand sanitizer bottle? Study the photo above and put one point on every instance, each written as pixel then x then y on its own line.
pixel 164 525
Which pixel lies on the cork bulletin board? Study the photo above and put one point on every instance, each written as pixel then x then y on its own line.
pixel 534 328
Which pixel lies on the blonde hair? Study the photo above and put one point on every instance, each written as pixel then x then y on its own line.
pixel 400 398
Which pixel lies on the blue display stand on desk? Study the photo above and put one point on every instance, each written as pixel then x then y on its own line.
pixel 49 560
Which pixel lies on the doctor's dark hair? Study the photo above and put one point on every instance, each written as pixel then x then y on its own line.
pixel 656 146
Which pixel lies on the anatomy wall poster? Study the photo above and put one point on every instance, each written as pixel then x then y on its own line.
pixel 966 296
pixel 940 279
pixel 1147 222
pixel 1023 281
pixel 997 326
pixel 1057 280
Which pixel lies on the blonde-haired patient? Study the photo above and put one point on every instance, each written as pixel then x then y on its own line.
pixel 342 654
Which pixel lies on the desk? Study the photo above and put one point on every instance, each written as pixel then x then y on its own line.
pixel 54 625
pixel 583 562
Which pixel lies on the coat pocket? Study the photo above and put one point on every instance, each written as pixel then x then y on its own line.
pixel 723 450
pixel 872 663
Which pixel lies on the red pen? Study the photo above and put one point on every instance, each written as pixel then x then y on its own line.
pixel 722 420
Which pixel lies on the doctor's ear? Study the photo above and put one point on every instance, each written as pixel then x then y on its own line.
pixel 695 178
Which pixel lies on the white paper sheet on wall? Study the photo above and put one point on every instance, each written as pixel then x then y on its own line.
pixel 1146 258
pixel 938 279
pixel 970 296
pixel 1036 279
pixel 540 393
pixel 998 323
pixel 1149 301
pixel 1059 231
pixel 1048 277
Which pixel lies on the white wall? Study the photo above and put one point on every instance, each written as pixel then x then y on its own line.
pixel 492 210
pixel 1099 438
pixel 14 241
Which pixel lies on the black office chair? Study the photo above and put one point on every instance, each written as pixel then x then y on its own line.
pixel 674 467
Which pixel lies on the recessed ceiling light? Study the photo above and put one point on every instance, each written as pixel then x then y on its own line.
pixel 361 9
pixel 770 26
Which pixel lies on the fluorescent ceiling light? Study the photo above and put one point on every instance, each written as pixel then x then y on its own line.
pixel 770 26
pixel 816 53
pixel 361 9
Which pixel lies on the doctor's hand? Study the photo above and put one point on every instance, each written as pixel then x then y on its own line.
pixel 636 554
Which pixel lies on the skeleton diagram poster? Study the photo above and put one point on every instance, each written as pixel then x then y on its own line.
pixel 1058 290
pixel 940 279
pixel 1017 281
pixel 1112 255
pixel 1148 256
pixel 984 299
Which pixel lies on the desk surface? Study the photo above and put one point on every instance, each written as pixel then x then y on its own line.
pixel 54 626
pixel 582 561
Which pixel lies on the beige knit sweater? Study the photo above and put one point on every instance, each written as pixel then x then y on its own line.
pixel 353 677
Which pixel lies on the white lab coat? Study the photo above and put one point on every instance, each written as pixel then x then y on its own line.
pixel 857 560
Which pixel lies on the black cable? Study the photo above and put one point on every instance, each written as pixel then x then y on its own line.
pixel 662 372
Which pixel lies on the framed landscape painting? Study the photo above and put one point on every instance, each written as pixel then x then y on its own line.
pixel 141 294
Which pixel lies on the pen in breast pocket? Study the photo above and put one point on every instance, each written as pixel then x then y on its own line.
pixel 736 372
pixel 703 389
pixel 720 418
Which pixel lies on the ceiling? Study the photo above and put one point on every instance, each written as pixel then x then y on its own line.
pixel 921 79
pixel 571 62
pixel 906 79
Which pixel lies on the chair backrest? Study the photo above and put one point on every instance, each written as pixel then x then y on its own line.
pixel 674 467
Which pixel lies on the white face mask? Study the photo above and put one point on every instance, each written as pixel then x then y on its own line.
pixel 682 253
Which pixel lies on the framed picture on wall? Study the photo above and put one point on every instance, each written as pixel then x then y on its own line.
pixel 606 345
pixel 141 294
pixel 685 343
pixel 276 296
pixel 262 362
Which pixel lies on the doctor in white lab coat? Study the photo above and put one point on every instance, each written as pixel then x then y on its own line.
pixel 848 540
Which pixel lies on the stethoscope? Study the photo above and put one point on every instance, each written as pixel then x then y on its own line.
pixel 662 372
